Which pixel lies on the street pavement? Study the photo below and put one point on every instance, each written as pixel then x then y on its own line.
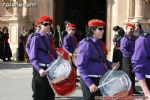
pixel 15 83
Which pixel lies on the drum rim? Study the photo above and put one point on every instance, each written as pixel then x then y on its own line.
pixel 66 75
pixel 124 74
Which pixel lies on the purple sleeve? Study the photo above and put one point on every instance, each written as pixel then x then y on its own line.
pixel 28 45
pixel 65 44
pixel 139 57
pixel 33 53
pixel 81 62
pixel 124 48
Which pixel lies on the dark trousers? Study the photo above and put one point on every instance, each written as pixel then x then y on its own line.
pixel 148 82
pixel 86 92
pixel 127 68
pixel 41 87
pixel 117 57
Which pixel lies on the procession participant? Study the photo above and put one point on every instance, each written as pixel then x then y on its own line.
pixel 117 54
pixel 127 49
pixel 70 40
pixel 91 60
pixel 141 62
pixel 65 32
pixel 2 56
pixel 39 58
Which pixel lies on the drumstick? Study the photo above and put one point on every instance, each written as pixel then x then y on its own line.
pixel 107 82
pixel 109 74
pixel 50 67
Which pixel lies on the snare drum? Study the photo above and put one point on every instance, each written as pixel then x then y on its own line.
pixel 62 75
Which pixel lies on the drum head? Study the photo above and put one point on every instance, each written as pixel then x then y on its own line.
pixel 117 82
pixel 60 70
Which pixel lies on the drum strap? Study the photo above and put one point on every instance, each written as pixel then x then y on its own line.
pixel 103 60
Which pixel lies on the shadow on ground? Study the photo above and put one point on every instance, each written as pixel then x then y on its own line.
pixel 14 65
pixel 69 98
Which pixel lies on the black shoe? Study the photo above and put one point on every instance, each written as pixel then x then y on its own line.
pixel 136 92
pixel 9 60
pixel 77 80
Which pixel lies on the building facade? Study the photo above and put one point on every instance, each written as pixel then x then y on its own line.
pixel 16 14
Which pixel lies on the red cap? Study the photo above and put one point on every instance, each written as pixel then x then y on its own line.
pixel 45 19
pixel 130 25
pixel 71 26
pixel 37 22
pixel 96 22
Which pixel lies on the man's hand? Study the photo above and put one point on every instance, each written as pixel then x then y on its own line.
pixel 93 88
pixel 42 72
pixel 116 65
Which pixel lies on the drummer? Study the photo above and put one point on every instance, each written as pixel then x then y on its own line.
pixel 91 60
pixel 39 58
pixel 127 48
pixel 141 62
pixel 70 40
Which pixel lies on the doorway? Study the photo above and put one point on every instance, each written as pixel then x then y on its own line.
pixel 80 12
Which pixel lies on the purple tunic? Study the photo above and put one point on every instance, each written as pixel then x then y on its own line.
pixel 127 46
pixel 36 55
pixel 69 43
pixel 88 60
pixel 141 57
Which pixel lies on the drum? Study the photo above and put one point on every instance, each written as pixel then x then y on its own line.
pixel 115 83
pixel 58 70
pixel 74 57
pixel 62 75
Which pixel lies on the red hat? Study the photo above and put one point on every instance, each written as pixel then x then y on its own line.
pixel 130 25
pixel 71 26
pixel 37 22
pixel 45 19
pixel 96 22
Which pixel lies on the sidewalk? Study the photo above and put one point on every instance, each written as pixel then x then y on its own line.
pixel 15 82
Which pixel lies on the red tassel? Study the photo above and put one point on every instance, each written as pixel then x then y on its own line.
pixel 131 91
pixel 104 48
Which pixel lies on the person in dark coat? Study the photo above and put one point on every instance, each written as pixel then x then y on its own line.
pixel 7 49
pixel 138 30
pixel 23 38
pixel 117 54
pixel 2 45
